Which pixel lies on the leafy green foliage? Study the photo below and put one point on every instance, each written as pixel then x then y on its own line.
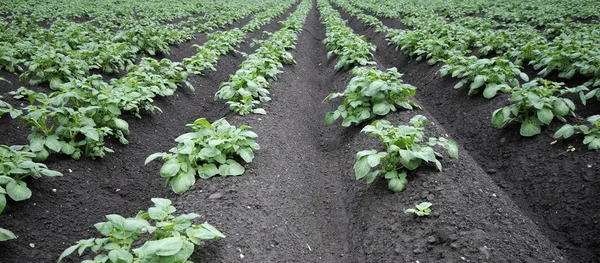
pixel 5 107
pixel 493 74
pixel 156 235
pixel 15 166
pixel 591 133
pixel 54 67
pixel 209 150
pixel 6 235
pixel 535 104
pixel 370 93
pixel 422 209
pixel 406 149
pixel 76 130
pixel 350 48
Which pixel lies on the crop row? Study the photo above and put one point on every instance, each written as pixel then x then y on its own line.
pixel 249 85
pixel 210 149
pixel 370 93
pixel 533 104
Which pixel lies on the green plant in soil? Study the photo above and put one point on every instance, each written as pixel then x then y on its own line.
pixel 591 133
pixel 406 149
pixel 491 75
pixel 371 93
pixel 156 235
pixel 536 103
pixel 15 166
pixel 422 209
pixel 209 150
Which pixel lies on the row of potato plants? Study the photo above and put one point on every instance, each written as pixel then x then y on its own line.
pixel 372 93
pixel 210 149
pixel 75 119
pixel 533 104
pixel 249 85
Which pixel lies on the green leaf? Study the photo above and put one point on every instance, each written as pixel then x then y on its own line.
pixel 524 76
pixel 152 157
pixel 373 160
pixel 260 111
pixel 530 127
pixel 397 184
pixel 53 143
pixel 565 131
pixel 183 181
pixel 490 91
pixel 36 144
pixel 91 133
pixel 50 173
pixel 120 255
pixel 67 252
pixel 164 247
pixel 330 117
pixel 545 115
pixel 477 82
pixel 372 176
pixel 452 149
pixel 18 190
pixel 594 144
pixel 157 213
pixel 560 107
pixel 170 168
pixel 121 124
pixel 231 168
pixel 381 108
pixel 361 167
pixel 207 171
pixel 2 201
pixel 5 180
pixel 210 152
pixel 500 117
pixel 67 149
pixel 247 154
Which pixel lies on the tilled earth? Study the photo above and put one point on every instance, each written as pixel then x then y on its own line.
pixel 506 199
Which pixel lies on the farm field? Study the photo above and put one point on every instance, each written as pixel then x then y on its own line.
pixel 299 131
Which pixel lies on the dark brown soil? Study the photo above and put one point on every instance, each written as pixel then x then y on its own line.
pixel 298 200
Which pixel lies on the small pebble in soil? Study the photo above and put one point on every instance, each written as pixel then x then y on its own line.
pixel 215 196
pixel 419 250
pixel 432 240
pixel 492 171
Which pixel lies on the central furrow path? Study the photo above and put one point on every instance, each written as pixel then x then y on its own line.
pixel 292 193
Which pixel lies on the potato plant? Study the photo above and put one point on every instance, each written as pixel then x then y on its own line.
pixel 209 150
pixel 591 133
pixel 406 149
pixel 370 93
pixel 535 104
pixel 156 235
